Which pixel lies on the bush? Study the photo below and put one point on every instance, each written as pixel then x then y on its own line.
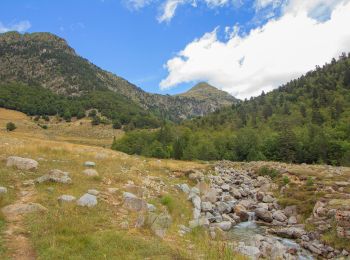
pixel 93 113
pixel 46 118
pixel 116 124
pixel 266 171
pixel 168 201
pixel 309 181
pixel 286 180
pixel 96 120
pixel 10 126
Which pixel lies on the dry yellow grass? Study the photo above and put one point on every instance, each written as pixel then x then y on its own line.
pixel 74 233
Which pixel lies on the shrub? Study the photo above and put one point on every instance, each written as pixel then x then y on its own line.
pixel 266 171
pixel 46 118
pixel 96 120
pixel 116 124
pixel 285 180
pixel 10 126
pixel 309 181
pixel 93 113
pixel 168 201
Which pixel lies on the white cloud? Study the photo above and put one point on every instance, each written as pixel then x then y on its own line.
pixel 21 26
pixel 136 4
pixel 169 8
pixel 266 57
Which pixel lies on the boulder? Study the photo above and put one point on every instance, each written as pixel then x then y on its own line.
pixel 129 195
pixel 90 172
pixel 196 201
pixel 241 212
pixel 268 199
pixel 22 208
pixel 210 196
pixel 66 199
pixel 3 190
pixel 289 232
pixel 225 187
pixel 200 222
pixel 184 188
pixel 55 176
pixel 87 200
pixel 279 216
pixel 290 211
pixel 236 193
pixel 224 207
pixel 251 251
pixel 224 225
pixel 135 204
pixel 89 164
pixel 342 218
pixel 206 206
pixel 196 213
pixel 22 163
pixel 93 192
pixel 292 220
pixel 263 214
pixel 151 207
pixel 159 223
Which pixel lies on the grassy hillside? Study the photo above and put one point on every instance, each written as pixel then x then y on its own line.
pixel 94 233
pixel 305 120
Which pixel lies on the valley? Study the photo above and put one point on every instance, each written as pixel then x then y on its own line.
pixel 148 208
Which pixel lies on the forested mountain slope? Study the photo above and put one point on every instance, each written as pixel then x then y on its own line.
pixel 305 120
pixel 46 60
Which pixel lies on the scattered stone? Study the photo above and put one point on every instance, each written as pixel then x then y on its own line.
pixel 279 216
pixel 93 192
pixel 196 200
pixel 151 207
pixel 206 206
pixel 89 164
pixel 159 223
pixel 22 208
pixel 28 183
pixel 200 222
pixel 3 190
pixel 263 214
pixel 224 225
pixel 66 199
pixel 133 203
pixel 292 220
pixel 87 200
pixel 90 172
pixel 22 163
pixel 250 251
pixel 112 190
pixel 183 187
pixel 196 176
pixel 55 176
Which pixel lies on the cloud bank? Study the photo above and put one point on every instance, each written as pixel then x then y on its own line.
pixel 308 33
pixel 21 26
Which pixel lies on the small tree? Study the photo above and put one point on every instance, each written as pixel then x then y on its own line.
pixel 96 120
pixel 10 126
pixel 117 124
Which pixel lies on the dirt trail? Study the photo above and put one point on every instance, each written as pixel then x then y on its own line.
pixel 16 236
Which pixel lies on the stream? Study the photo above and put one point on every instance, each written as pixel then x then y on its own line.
pixel 246 231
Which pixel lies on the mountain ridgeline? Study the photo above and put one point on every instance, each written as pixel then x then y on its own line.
pixel 36 63
pixel 306 121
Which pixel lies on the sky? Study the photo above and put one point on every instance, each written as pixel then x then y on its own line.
pixel 167 46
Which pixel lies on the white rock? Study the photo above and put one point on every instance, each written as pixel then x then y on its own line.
pixel 90 172
pixel 112 190
pixel 224 225
pixel 22 163
pixel 93 192
pixel 89 164
pixel 196 200
pixel 87 200
pixel 66 198
pixel 129 195
pixel 151 207
pixel 3 190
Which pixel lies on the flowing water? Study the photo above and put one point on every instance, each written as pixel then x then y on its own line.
pixel 245 231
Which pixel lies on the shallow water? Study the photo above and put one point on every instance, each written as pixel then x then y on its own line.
pixel 245 231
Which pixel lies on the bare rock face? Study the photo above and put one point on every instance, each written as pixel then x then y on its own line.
pixel 22 163
pixel 343 223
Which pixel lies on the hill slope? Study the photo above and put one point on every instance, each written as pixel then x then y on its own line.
pixel 205 92
pixel 305 120
pixel 46 60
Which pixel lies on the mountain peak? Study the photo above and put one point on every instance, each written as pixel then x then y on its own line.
pixel 206 92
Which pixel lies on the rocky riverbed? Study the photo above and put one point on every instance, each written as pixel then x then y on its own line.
pixel 239 206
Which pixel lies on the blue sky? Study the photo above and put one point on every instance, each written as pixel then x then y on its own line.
pixel 129 38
